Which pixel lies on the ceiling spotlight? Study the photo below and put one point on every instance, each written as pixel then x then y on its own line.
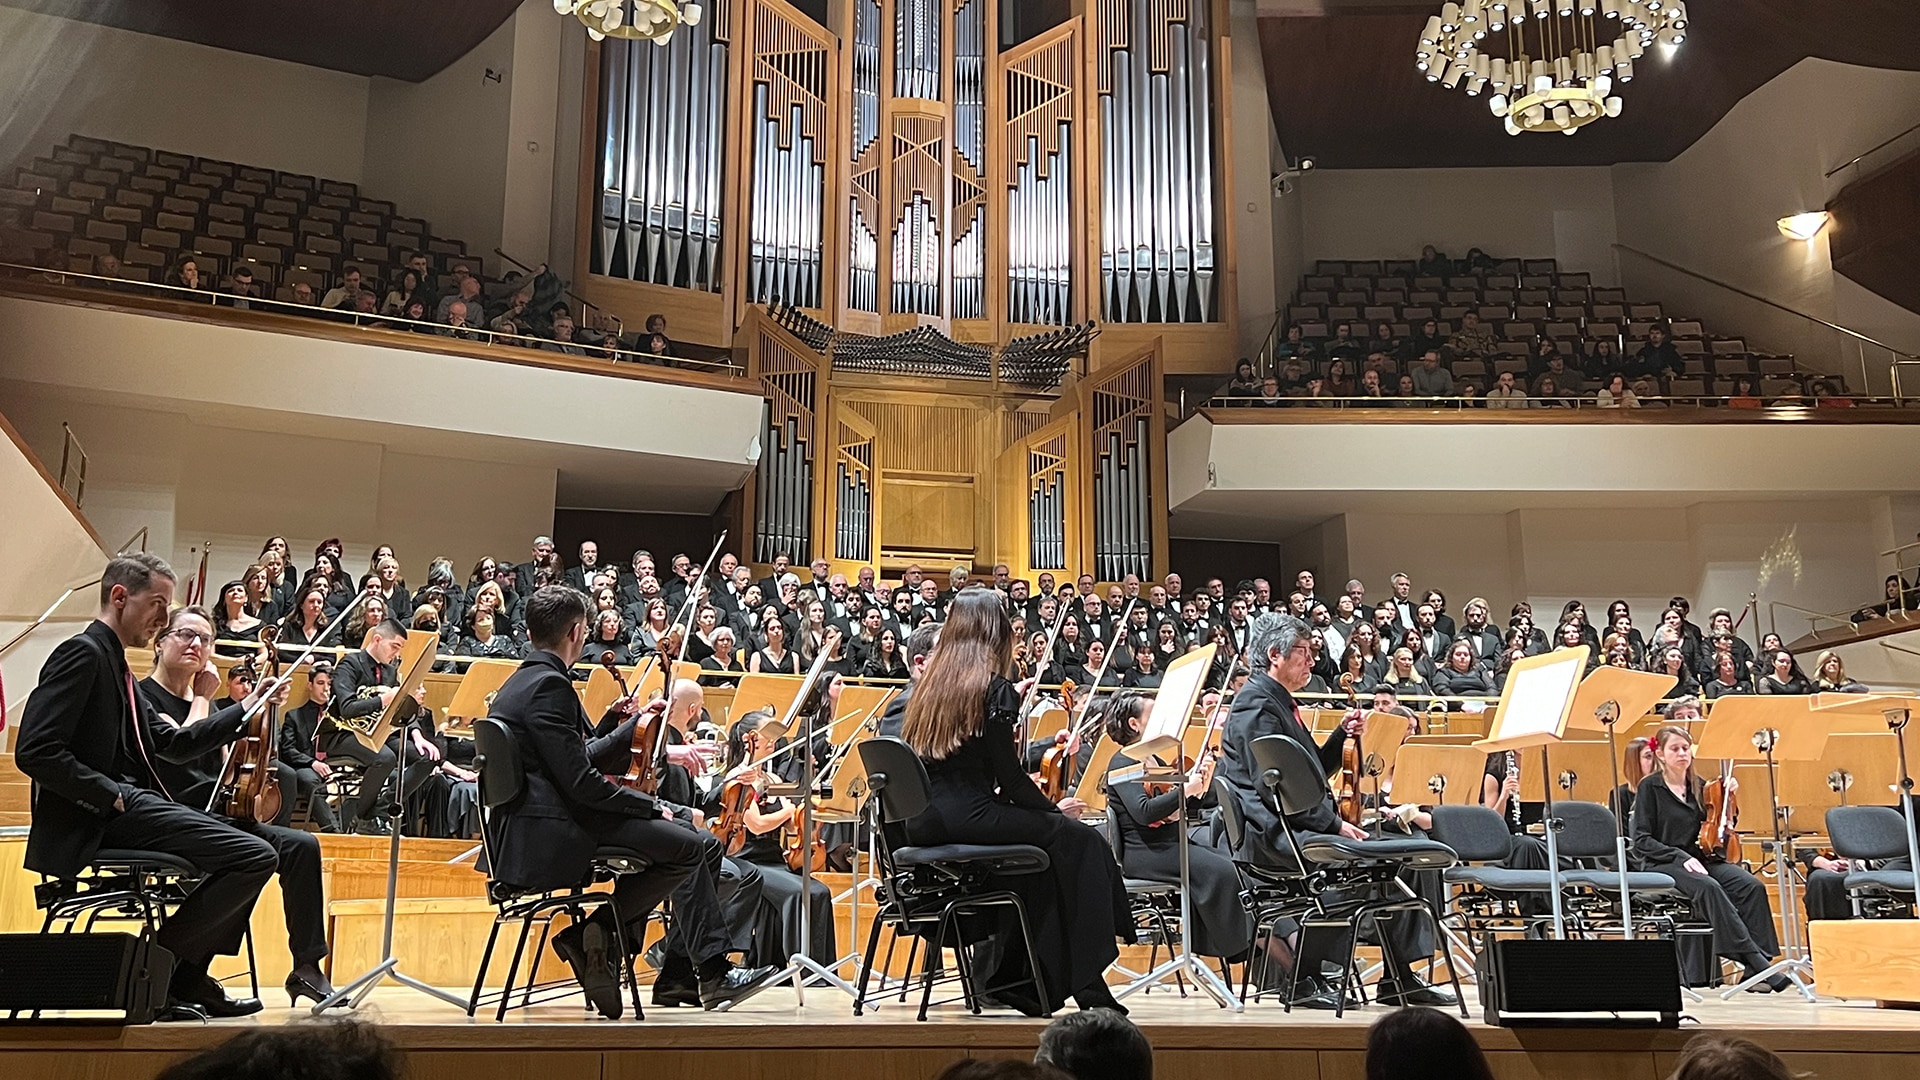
pixel 1804 226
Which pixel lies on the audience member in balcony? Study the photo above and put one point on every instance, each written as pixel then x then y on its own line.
pixel 1297 345
pixel 1505 395
pixel 1293 377
pixel 1404 396
pixel 657 324
pixel 184 274
pixel 1830 676
pixel 403 290
pixel 563 338
pixel 1745 393
pixel 1427 337
pixel 1339 381
pixel 653 346
pixel 453 323
pixel 1568 382
pixel 340 295
pixel 1429 379
pixel 1606 359
pixel 107 265
pixel 1658 357
pixel 1616 395
pixel 1826 396
pixel 1473 339
pixel 1344 343
pixel 1244 384
pixel 1432 263
pixel 472 308
pixel 301 294
pixel 1384 341
pixel 1270 396
pixel 239 289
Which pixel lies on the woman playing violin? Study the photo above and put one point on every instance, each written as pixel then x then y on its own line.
pixel 764 820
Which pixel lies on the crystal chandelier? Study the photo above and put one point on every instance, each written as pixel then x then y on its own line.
pixel 654 20
pixel 1551 64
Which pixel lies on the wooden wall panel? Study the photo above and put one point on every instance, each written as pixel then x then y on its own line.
pixel 925 438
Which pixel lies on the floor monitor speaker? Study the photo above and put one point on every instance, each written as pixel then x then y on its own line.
pixel 1527 982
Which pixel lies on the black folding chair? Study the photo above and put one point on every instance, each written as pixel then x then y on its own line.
pixel 927 891
pixel 1272 895
pixel 127 885
pixel 1873 834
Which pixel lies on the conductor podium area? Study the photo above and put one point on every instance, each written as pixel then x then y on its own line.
pixel 443 916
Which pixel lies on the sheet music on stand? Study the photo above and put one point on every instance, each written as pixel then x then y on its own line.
pixel 1536 699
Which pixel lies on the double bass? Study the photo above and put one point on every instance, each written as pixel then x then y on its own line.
pixel 249 788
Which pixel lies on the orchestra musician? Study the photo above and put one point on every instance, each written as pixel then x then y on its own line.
pixel 766 820
pixel 1150 849
pixel 364 682
pixel 89 743
pixel 961 720
pixel 546 837
pixel 1280 660
pixel 178 691
pixel 298 729
pixel 1667 815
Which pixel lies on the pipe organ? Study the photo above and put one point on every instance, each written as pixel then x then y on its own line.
pixel 902 196
pixel 663 137
pixel 1158 168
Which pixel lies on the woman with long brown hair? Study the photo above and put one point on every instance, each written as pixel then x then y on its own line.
pixel 1667 815
pixel 961 721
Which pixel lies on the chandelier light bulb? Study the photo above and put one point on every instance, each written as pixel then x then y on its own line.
pixel 1498 104
pixel 1614 105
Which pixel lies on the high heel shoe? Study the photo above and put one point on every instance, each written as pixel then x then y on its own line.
pixel 300 986
pixel 1098 996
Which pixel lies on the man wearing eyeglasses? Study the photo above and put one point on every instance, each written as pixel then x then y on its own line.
pixel 91 745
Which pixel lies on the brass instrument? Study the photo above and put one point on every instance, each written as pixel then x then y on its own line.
pixel 366 727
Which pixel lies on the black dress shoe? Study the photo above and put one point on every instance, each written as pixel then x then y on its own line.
pixel 736 983
pixel 1411 991
pixel 588 950
pixel 671 992
pixel 369 827
pixel 206 995
pixel 1315 993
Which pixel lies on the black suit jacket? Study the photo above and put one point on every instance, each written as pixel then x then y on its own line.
pixel 545 838
pixel 75 744
pixel 1264 707
pixel 576 577
pixel 297 730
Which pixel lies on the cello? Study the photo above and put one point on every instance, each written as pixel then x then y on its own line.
pixel 249 788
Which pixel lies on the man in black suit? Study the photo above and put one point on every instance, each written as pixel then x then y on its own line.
pixel 298 730
pixel 581 576
pixel 542 547
pixel 1282 658
pixel 546 837
pixel 372 668
pixel 89 743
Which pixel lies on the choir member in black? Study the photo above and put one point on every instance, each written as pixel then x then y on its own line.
pixel 1097 667
pixel 918 648
pixel 89 743
pixel 1150 848
pixel 723 668
pixel 699 644
pixel 545 838
pixel 887 660
pixel 609 636
pixel 1667 815
pixel 776 935
pixel 1726 679
pixel 1145 673
pixel 866 640
pixel 281 577
pixel 304 622
pixel 485 638
pixel 774 658
pixel 298 728
pixel 364 682
pixel 1636 762
pixel 961 720
pixel 1782 678
pixel 179 691
pixel 1281 660
pixel 233 621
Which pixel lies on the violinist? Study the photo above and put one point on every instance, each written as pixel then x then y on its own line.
pixel 1668 812
pixel 765 820
pixel 1146 818
pixel 546 837
pixel 1281 659
pixel 179 691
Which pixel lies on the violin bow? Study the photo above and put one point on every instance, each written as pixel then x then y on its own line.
pixel 1040 662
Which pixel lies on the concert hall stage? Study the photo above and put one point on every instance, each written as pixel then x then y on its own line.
pixel 768 1038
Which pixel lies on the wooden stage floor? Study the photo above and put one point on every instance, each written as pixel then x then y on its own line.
pixel 769 1038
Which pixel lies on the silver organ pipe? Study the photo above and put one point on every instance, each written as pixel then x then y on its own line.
pixel 788 173
pixel 968 272
pixel 1123 474
pixel 863 256
pixel 1157 161
pixel 916 45
pixel 853 516
pixel 1046 505
pixel 1040 176
pixel 662 128
pixel 783 501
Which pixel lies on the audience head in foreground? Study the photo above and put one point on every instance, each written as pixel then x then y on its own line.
pixel 1423 1044
pixel 989 1069
pixel 327 1050
pixel 1725 1057
pixel 1096 1044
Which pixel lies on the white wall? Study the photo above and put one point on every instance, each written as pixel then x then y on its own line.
pixel 1564 213
pixel 60 76
pixel 1250 217
pixel 1713 209
pixel 533 112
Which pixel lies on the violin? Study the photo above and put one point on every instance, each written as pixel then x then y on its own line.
pixel 249 787
pixel 643 764
pixel 1722 813
pixel 1347 801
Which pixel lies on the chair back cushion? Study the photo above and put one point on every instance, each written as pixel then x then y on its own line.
pixel 1587 830
pixel 1228 812
pixel 897 776
pixel 1867 832
pixel 1475 833
pixel 1293 774
pixel 502 775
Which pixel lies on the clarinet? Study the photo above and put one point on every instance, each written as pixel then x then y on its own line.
pixel 1513 804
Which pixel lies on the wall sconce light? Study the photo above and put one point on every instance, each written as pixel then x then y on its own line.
pixel 1804 226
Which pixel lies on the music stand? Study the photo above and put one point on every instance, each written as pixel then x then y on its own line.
pixel 473 698
pixel 1444 772
pixel 416 659
pixel 601 691
pixel 857 706
pixel 1096 796
pixel 1853 770
pixel 776 692
pixel 1162 737
pixel 1770 728
pixel 1535 700
pixel 1856 713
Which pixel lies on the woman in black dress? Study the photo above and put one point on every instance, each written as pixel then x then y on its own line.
pixel 887 661
pixel 961 720
pixel 1667 815
pixel 776 933
pixel 775 658
pixel 233 622
pixel 1150 849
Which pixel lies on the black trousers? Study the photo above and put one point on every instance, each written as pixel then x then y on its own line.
pixel 236 866
pixel 1827 892
pixel 1733 902
pixel 299 784
pixel 379 765
pixel 298 856
pixel 686 864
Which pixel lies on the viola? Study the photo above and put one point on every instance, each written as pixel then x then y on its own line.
pixel 1347 801
pixel 1721 808
pixel 249 787
pixel 643 762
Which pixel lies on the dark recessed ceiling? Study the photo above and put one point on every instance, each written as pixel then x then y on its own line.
pixel 1344 90
pixel 409 41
